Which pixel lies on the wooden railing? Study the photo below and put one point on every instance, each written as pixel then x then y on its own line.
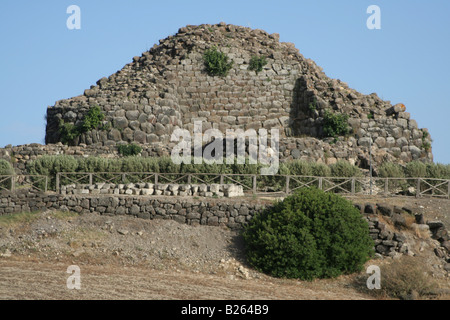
pixel 270 185
pixel 13 183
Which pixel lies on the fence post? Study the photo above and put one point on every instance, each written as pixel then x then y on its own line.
pixel 46 183
pixel 254 184
pixel 386 186
pixel 156 179
pixel 58 189
pixel 287 185
pixel 221 178
pixel 189 178
pixel 418 188
pixel 353 186
pixel 448 193
pixel 320 183
pixel 90 179
pixel 13 183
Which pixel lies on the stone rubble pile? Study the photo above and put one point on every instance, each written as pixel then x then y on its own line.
pixel 149 189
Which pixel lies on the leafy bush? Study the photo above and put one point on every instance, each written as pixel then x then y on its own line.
pixel 391 170
pixel 69 132
pixel 335 124
pixel 311 234
pixel 5 170
pixel 127 150
pixel 299 168
pixel 416 169
pixel 344 169
pixel 51 165
pixel 320 170
pixel 92 119
pixel 216 62
pixel 257 63
pixel 438 171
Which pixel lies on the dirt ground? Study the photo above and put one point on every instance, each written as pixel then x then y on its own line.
pixel 127 258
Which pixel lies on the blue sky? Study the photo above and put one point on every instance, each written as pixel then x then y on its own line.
pixel 42 61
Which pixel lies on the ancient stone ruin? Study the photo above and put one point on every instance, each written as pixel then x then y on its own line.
pixel 168 87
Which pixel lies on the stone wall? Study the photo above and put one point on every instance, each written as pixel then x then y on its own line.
pixel 232 213
pixel 167 88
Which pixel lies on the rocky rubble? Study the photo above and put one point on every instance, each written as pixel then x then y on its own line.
pixel 148 189
pixel 403 230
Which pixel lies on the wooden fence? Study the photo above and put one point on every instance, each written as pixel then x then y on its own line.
pixel 271 184
pixel 13 183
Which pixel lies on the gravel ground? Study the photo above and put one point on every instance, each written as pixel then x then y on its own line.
pixel 122 257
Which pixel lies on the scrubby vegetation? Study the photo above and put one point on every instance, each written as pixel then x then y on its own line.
pixel 257 63
pixel 92 120
pixel 127 150
pixel 335 124
pixel 5 169
pixel 51 165
pixel 406 278
pixel 415 169
pixel 216 63
pixel 311 234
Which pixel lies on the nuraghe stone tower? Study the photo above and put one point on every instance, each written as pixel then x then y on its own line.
pixel 167 87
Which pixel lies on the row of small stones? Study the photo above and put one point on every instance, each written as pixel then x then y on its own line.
pixel 202 190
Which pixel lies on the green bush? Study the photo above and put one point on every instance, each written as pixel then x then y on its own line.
pixel 320 170
pixel 299 168
pixel 257 64
pixel 92 120
pixel 128 150
pixel 5 170
pixel 416 169
pixel 68 132
pixel 216 62
pixel 311 234
pixel 343 168
pixel 391 170
pixel 50 166
pixel 335 124
pixel 438 171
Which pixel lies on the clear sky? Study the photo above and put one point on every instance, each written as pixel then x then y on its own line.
pixel 42 61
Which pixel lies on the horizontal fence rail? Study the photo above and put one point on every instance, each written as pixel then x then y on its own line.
pixel 269 185
pixel 13 183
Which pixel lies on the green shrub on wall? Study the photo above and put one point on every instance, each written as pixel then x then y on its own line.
pixel 311 234
pixel 257 63
pixel 127 150
pixel 217 63
pixel 335 125
pixel 92 120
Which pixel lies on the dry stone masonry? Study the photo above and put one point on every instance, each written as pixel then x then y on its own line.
pixel 167 87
